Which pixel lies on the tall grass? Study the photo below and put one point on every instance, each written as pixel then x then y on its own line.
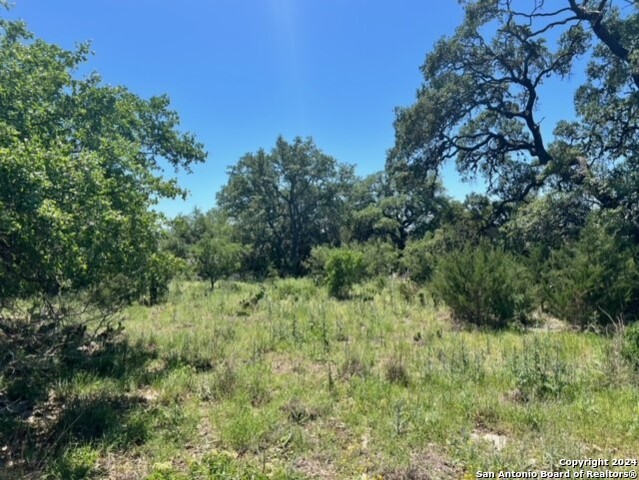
pixel 279 380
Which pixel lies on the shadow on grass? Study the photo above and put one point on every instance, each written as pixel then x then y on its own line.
pixel 40 419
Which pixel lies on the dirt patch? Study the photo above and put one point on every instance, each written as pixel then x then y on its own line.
pixel 316 468
pixel 425 466
pixel 548 323
pixel 283 364
pixel 118 467
pixel 495 439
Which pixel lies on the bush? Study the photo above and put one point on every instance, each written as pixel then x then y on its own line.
pixel 344 267
pixel 483 285
pixel 420 257
pixel 380 258
pixel 216 258
pixel 594 280
pixel 316 262
pixel 163 267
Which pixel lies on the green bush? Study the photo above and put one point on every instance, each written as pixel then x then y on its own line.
pixel 344 267
pixel 420 258
pixel 483 285
pixel 163 267
pixel 316 262
pixel 593 280
pixel 380 258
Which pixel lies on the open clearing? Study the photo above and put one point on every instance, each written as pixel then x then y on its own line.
pixel 278 380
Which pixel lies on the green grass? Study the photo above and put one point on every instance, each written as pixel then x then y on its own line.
pixel 290 383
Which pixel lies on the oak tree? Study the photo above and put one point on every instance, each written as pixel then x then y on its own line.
pixel 285 202
pixel 479 104
pixel 80 167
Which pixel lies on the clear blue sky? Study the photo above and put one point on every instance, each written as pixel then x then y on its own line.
pixel 242 72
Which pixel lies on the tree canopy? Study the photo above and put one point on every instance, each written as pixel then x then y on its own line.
pixel 396 205
pixel 286 201
pixel 80 167
pixel 480 101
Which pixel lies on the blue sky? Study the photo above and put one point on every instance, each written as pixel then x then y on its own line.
pixel 242 72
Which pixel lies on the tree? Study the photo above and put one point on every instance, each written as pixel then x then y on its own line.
pixel 596 278
pixel 479 103
pixel 79 170
pixel 398 206
pixel 185 231
pixel 285 202
pixel 217 258
pixel 548 222
pixel 483 285
pixel 216 254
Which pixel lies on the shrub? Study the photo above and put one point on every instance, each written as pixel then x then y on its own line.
pixel 344 267
pixel 420 256
pixel 316 262
pixel 540 371
pixel 380 258
pixel 419 259
pixel 162 268
pixel 483 285
pixel 594 280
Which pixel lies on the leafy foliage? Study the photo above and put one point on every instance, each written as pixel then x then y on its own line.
pixel 344 267
pixel 595 279
pixel 285 202
pixel 420 258
pixel 217 258
pixel 395 206
pixel 483 285
pixel 79 169
pixel 479 102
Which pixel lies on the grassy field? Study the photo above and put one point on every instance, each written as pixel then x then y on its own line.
pixel 277 380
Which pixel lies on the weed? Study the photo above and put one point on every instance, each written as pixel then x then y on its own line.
pixel 282 396
pixel 299 413
pixel 540 372
pixel 75 464
pixel 395 372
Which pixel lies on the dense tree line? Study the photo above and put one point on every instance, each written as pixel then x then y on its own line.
pixel 80 170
